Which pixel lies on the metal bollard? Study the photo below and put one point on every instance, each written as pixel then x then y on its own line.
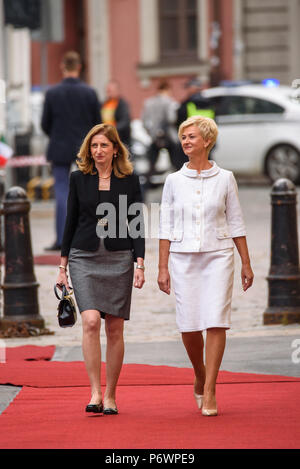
pixel 20 288
pixel 284 273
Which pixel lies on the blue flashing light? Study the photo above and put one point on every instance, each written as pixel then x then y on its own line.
pixel 271 82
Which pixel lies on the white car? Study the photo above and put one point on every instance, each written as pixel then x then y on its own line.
pixel 259 130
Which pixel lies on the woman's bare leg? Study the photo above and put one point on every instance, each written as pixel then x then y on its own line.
pixel 114 357
pixel 194 344
pixel 91 348
pixel 214 351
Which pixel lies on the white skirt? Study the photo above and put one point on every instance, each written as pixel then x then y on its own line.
pixel 202 283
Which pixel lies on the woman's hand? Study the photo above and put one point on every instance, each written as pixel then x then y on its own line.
pixel 62 279
pixel 139 278
pixel 164 281
pixel 247 276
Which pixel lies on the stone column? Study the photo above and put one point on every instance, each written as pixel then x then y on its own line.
pixel 97 12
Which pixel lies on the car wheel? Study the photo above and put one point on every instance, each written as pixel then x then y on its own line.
pixel 283 161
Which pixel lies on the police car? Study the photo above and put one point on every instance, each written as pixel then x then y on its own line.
pixel 259 129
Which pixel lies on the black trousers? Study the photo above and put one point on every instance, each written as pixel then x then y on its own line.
pixel 174 149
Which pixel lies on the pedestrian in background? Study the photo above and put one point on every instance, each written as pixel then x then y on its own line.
pixel 71 108
pixel 194 104
pixel 159 119
pixel 115 111
pixel 201 220
pixel 101 251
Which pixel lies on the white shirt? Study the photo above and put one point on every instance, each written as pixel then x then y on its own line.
pixel 200 212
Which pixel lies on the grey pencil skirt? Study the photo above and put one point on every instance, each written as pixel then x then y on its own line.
pixel 102 280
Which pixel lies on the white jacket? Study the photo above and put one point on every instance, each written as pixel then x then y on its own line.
pixel 200 212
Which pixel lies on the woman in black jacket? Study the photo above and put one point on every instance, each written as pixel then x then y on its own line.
pixel 103 237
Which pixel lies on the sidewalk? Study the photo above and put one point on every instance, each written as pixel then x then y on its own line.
pixel 153 312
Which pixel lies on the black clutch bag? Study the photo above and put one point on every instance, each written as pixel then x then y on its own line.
pixel 66 314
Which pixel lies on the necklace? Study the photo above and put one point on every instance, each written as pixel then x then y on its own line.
pixel 100 177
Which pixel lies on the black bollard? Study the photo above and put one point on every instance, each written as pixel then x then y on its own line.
pixel 20 288
pixel 284 273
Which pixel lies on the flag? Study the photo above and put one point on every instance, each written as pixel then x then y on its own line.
pixel 6 152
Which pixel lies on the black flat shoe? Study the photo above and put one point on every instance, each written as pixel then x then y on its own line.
pixel 110 411
pixel 95 408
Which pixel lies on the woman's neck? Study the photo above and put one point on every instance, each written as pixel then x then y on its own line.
pixel 104 170
pixel 199 162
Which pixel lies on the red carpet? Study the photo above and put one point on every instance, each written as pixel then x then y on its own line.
pixel 44 259
pixel 47 259
pixel 45 374
pixel 29 352
pixel 156 405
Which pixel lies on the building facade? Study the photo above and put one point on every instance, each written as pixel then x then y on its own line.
pixel 266 40
pixel 139 42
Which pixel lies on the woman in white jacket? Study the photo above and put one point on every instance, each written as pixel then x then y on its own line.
pixel 200 222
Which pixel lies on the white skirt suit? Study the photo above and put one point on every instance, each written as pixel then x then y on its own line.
pixel 200 214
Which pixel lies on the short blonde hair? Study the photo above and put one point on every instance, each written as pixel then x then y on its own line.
pixel 207 126
pixel 122 167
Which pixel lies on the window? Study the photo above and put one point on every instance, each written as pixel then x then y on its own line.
pixel 178 30
pixel 261 106
pixel 233 105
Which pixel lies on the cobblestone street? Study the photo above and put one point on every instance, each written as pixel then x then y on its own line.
pixel 153 312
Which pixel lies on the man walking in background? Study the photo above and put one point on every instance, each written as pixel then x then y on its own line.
pixel 159 119
pixel 71 109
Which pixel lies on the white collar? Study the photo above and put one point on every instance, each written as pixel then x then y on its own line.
pixel 204 173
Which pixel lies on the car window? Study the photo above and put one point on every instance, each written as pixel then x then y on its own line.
pixel 262 106
pixel 232 105
pixel 216 104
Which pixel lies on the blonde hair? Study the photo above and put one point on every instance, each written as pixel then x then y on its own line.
pixel 122 167
pixel 207 126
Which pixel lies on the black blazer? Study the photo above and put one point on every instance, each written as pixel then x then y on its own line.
pixel 81 222
pixel 123 119
pixel 70 110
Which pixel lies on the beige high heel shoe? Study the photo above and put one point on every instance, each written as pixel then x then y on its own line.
pixel 209 412
pixel 212 412
pixel 198 399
